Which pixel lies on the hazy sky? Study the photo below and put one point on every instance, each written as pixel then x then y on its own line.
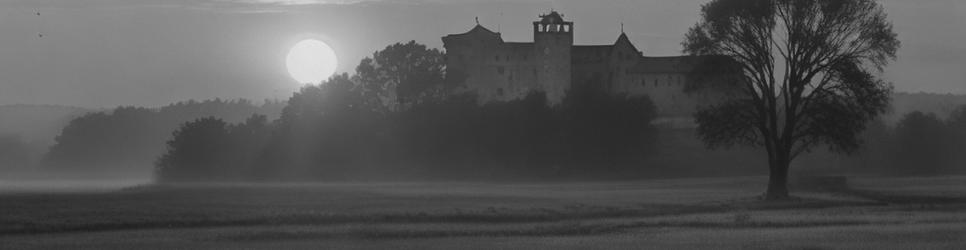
pixel 104 53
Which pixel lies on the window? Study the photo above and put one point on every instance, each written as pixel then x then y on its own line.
pixel 500 70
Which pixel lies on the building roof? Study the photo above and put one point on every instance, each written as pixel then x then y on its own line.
pixel 477 30
pixel 623 39
pixel 644 65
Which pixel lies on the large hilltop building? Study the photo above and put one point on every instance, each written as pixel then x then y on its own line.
pixel 498 70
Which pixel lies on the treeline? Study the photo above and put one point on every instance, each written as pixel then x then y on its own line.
pixel 129 139
pixel 27 131
pixel 397 118
pixel 327 133
pixel 924 144
pixel 919 144
pixel 940 104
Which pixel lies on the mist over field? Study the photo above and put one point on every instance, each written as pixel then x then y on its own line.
pixel 276 124
pixel 32 130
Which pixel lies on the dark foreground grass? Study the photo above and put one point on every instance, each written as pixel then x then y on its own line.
pixel 544 230
pixel 276 218
pixel 230 214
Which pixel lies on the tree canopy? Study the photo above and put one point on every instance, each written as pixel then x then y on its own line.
pixel 342 130
pixel 807 72
pixel 400 73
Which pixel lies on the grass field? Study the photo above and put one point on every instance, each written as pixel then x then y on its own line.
pixel 719 213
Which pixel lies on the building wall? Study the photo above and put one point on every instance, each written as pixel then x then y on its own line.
pixel 513 73
pixel 591 65
pixel 666 90
pixel 496 71
pixel 623 57
pixel 553 61
pixel 465 59
pixel 501 71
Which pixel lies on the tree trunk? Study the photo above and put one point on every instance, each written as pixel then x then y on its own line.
pixel 778 179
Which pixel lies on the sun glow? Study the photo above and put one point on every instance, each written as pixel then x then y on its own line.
pixel 311 61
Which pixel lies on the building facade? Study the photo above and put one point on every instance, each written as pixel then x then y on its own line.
pixel 499 71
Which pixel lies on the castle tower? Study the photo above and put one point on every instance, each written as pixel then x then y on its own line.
pixel 553 40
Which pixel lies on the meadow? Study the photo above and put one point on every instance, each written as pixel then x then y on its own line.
pixel 720 213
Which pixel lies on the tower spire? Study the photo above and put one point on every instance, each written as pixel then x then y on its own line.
pixel 499 25
pixel 622 27
pixel 477 20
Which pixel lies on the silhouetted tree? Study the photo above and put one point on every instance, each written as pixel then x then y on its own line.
pixel 196 151
pixel 209 149
pixel 805 78
pixel 443 132
pixel 401 73
pixel 247 143
pixel 103 141
pixel 957 128
pixel 879 143
pixel 324 130
pixel 602 129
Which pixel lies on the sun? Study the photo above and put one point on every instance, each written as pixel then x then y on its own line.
pixel 311 61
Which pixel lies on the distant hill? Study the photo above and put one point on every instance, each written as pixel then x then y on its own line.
pixel 127 140
pixel 37 124
pixel 940 104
